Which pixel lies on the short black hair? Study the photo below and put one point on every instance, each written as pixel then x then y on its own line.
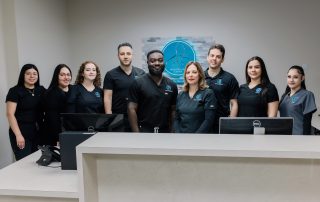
pixel 124 44
pixel 219 47
pixel 154 51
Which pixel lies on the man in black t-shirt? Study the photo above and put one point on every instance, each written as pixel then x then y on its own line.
pixel 223 83
pixel 152 98
pixel 117 83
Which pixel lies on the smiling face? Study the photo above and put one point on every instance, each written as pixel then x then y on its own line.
pixel 125 56
pixel 254 70
pixel 90 72
pixel 192 75
pixel 294 79
pixel 30 77
pixel 156 64
pixel 64 78
pixel 215 58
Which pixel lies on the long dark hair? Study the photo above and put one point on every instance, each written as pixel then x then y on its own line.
pixel 55 77
pixel 23 71
pixel 264 75
pixel 303 83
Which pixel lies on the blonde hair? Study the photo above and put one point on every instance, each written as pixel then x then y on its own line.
pixel 80 77
pixel 202 84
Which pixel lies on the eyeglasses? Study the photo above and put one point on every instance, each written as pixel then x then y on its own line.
pixel 66 75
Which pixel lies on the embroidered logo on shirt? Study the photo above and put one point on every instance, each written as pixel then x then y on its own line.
pixel 168 88
pixel 97 94
pixel 294 99
pixel 197 98
pixel 219 82
pixel 258 90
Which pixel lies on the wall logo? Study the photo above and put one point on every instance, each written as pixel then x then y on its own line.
pixel 177 54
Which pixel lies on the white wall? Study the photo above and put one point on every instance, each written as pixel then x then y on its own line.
pixel 8 69
pixel 282 32
pixel 42 35
pixel 31 31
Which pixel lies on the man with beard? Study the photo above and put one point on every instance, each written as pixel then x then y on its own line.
pixel 117 83
pixel 152 98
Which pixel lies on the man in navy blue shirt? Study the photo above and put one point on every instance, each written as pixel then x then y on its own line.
pixel 152 98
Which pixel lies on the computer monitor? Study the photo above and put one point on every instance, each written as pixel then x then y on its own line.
pixel 256 125
pixel 92 122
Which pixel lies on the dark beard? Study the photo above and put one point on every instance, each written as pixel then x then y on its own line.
pixel 154 72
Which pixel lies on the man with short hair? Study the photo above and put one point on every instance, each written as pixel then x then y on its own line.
pixel 152 99
pixel 117 83
pixel 223 83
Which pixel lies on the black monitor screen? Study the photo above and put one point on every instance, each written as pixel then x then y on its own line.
pixel 92 122
pixel 256 125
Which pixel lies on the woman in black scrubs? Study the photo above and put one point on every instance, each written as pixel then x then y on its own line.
pixel 54 103
pixel 24 111
pixel 258 97
pixel 196 103
pixel 86 96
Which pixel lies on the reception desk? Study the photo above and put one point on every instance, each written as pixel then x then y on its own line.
pixel 25 181
pixel 187 167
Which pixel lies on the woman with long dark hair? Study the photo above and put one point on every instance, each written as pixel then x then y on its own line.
pixel 54 103
pixel 298 102
pixel 258 97
pixel 24 111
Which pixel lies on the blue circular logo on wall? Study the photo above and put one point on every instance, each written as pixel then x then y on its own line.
pixel 177 54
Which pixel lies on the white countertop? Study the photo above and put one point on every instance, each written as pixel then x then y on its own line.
pixel 266 146
pixel 26 178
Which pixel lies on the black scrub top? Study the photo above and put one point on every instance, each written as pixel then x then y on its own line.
pixel 80 100
pixel 119 82
pixel 28 111
pixel 54 103
pixel 154 102
pixel 196 114
pixel 254 102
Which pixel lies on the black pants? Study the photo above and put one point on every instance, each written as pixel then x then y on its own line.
pixel 29 148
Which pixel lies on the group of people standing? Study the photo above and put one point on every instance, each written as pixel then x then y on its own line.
pixel 150 102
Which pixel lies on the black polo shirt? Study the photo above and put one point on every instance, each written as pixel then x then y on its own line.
pixel 225 87
pixel 119 82
pixel 254 102
pixel 154 102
